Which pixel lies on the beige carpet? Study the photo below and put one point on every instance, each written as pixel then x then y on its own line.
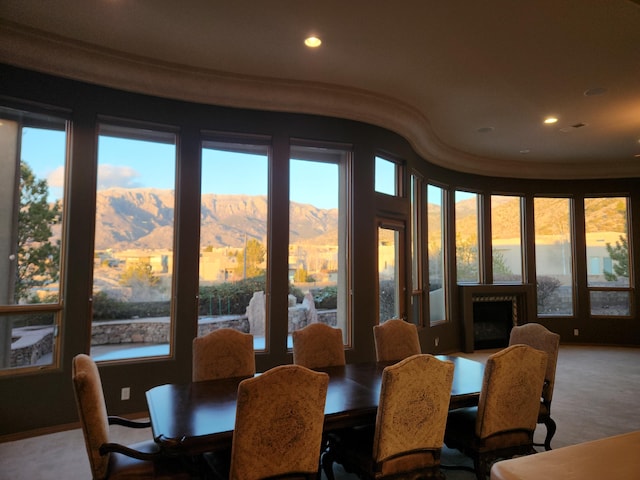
pixel 597 394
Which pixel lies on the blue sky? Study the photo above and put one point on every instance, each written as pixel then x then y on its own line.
pixel 133 164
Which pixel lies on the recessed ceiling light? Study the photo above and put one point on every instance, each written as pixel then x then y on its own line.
pixel 524 151
pixel 550 120
pixel 312 42
pixel 595 91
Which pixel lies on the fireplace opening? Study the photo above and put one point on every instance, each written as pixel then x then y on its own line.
pixel 492 323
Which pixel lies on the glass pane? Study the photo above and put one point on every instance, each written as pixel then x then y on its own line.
pixel 31 230
pixel 388 274
pixel 506 239
pixel 233 239
pixel 610 303
pixel 467 261
pixel 386 176
pixel 417 292
pixel 32 161
pixel 133 252
pixel 435 247
pixel 317 238
pixel 554 247
pixel 33 339
pixel 606 237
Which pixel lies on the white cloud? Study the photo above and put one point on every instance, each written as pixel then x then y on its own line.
pixel 117 176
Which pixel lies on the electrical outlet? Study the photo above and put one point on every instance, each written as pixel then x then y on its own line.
pixel 576 332
pixel 437 341
pixel 125 393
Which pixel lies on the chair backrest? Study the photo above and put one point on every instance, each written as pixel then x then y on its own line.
pixel 511 390
pixel 413 407
pixel 538 337
pixel 318 345
pixel 395 340
pixel 223 353
pixel 92 411
pixel 279 421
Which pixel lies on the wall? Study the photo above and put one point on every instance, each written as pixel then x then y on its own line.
pixel 43 399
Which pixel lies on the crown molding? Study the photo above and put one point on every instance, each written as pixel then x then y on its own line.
pixel 46 53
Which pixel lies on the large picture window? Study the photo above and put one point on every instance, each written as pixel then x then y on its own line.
pixel 134 238
pixel 435 251
pixel 233 238
pixel 554 255
pixel 467 229
pixel 506 238
pixel 318 238
pixel 33 154
pixel 608 265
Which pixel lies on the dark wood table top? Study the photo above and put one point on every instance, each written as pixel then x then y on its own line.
pixel 196 417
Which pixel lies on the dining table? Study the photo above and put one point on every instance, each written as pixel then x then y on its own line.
pixel 197 417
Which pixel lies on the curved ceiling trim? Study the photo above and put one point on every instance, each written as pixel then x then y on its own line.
pixel 58 56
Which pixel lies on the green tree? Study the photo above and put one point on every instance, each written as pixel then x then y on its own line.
pixel 255 255
pixel 140 278
pixel 620 256
pixel 38 257
pixel 467 258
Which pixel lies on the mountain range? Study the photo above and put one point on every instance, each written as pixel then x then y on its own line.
pixel 144 219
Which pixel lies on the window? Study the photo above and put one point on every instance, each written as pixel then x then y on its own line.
pixel 417 258
pixel 467 228
pixel 435 251
pixel 318 246
pixel 32 159
pixel 387 176
pixel 134 237
pixel 506 238
pixel 608 274
pixel 233 237
pixel 554 256
pixel 390 271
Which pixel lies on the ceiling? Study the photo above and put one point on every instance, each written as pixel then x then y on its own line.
pixel 468 83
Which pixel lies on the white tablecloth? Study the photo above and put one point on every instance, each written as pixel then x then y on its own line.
pixel 615 458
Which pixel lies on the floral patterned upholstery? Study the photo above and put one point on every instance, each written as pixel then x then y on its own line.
pixel 503 423
pixel 318 345
pixel 537 336
pixel 223 353
pixel 111 460
pixel 395 340
pixel 410 424
pixel 279 422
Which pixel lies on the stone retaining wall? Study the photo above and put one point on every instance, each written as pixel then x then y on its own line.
pixel 33 343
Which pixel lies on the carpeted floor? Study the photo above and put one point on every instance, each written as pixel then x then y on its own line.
pixel 597 394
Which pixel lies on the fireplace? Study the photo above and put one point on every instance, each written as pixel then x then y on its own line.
pixel 491 311
pixel 493 319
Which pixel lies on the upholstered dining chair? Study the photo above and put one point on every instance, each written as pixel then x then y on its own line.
pixel 112 460
pixel 537 336
pixel 278 427
pixel 409 430
pixel 502 424
pixel 318 345
pixel 395 340
pixel 223 353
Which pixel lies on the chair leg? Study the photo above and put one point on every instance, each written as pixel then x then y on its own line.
pixel 551 431
pixel 480 466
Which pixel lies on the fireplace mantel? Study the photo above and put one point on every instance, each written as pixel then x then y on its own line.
pixel 523 294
